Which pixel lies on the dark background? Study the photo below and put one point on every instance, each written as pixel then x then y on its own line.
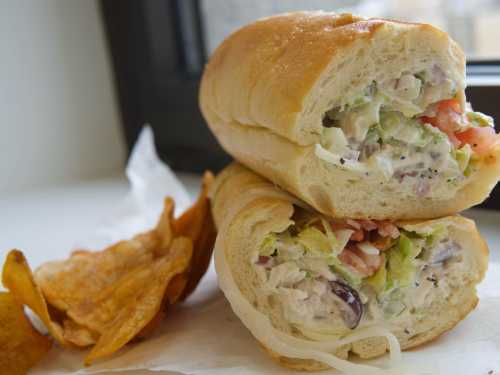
pixel 158 54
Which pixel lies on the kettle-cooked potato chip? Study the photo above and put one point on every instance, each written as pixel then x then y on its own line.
pixel 197 224
pixel 21 346
pixel 18 278
pixel 111 297
pixel 124 310
pixel 78 335
pixel 70 282
pixel 151 327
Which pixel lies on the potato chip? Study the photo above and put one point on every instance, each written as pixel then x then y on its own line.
pixel 71 282
pixel 164 229
pixel 18 278
pixel 21 346
pixel 129 307
pixel 197 224
pixel 151 327
pixel 176 288
pixel 78 335
pixel 110 297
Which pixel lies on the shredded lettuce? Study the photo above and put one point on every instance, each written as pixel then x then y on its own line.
pixel 378 279
pixel 314 240
pixel 394 125
pixel 463 157
pixel 268 246
pixel 347 273
pixel 470 168
pixel 401 262
pixel 320 242
pixel 330 235
pixel 480 119
pixel 356 121
pixel 437 234
pixel 329 242
pixel 343 236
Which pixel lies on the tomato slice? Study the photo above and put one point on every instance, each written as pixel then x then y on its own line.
pixel 445 119
pixel 480 139
pixel 452 104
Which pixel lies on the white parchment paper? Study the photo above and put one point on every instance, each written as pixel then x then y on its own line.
pixel 203 336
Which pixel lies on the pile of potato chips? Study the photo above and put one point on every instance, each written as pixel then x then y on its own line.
pixel 105 299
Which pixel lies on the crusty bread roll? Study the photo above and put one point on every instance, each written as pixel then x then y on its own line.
pixel 246 208
pixel 267 88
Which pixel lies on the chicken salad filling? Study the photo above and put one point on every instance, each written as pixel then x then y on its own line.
pixel 412 130
pixel 329 276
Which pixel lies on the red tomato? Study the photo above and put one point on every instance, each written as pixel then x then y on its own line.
pixel 453 104
pixel 480 139
pixel 445 119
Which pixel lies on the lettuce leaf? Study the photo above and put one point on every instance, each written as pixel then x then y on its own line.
pixel 479 119
pixel 268 246
pixel 401 262
pixel 347 273
pixel 463 157
pixel 378 280
pixel 314 240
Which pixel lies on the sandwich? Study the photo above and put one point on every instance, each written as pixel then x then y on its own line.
pixel 313 289
pixel 327 106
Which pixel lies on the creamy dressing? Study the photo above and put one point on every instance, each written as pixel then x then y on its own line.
pixel 377 133
pixel 287 345
pixel 300 281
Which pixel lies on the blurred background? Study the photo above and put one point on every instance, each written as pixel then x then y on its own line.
pixel 80 78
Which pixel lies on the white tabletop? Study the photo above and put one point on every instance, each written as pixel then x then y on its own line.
pixel 47 223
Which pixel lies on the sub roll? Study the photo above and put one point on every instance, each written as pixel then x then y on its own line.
pixel 313 289
pixel 360 118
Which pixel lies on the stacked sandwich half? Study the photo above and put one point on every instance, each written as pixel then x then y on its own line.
pixel 338 232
